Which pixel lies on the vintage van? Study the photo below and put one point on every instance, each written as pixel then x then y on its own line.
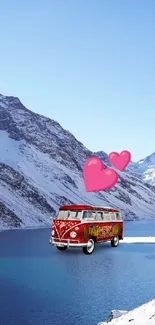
pixel 85 226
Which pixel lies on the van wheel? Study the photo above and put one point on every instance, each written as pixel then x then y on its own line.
pixel 115 241
pixel 90 247
pixel 61 248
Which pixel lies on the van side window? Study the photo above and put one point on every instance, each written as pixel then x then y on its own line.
pixel 99 216
pixel 113 216
pixel 118 217
pixel 106 216
pixel 93 214
pixel 89 215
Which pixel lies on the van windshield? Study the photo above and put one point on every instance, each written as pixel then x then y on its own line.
pixel 69 215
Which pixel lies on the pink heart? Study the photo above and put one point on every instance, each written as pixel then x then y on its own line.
pixel 120 161
pixel 96 178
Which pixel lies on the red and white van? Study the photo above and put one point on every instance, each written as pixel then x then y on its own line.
pixel 84 226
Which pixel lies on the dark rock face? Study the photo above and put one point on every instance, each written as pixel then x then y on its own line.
pixel 10 176
pixel 17 182
pixel 8 217
pixel 45 170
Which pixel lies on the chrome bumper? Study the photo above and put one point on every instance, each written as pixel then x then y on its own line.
pixel 68 244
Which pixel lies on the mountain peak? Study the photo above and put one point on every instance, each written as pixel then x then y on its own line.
pixel 9 99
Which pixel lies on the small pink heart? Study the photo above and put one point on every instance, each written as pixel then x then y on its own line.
pixel 120 161
pixel 96 178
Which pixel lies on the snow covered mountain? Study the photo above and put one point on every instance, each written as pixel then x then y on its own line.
pixel 145 169
pixel 41 168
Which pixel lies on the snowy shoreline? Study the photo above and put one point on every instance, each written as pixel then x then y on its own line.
pixel 142 315
pixel 138 240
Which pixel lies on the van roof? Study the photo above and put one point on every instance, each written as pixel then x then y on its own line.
pixel 87 207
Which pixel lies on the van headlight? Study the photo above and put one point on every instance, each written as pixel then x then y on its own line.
pixel 73 234
pixel 53 232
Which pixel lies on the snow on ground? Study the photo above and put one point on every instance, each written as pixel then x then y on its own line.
pixel 138 240
pixel 143 315
pixel 117 313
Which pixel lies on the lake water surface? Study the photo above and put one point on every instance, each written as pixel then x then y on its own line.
pixel 40 285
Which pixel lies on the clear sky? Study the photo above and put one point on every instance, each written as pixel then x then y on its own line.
pixel 88 64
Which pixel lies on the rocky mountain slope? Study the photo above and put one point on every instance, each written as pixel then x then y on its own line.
pixel 41 168
pixel 145 169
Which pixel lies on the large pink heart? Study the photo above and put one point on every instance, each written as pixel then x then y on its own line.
pixel 96 178
pixel 120 161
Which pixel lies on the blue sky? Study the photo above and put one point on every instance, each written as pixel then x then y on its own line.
pixel 89 64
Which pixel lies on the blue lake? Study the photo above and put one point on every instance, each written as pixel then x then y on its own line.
pixel 40 285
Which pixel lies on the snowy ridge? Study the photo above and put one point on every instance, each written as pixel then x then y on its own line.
pixel 41 168
pixel 145 169
pixel 149 175
pixel 143 315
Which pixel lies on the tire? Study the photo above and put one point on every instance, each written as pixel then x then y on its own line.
pixel 90 247
pixel 61 248
pixel 115 241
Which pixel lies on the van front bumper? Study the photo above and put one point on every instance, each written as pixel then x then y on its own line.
pixel 67 243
